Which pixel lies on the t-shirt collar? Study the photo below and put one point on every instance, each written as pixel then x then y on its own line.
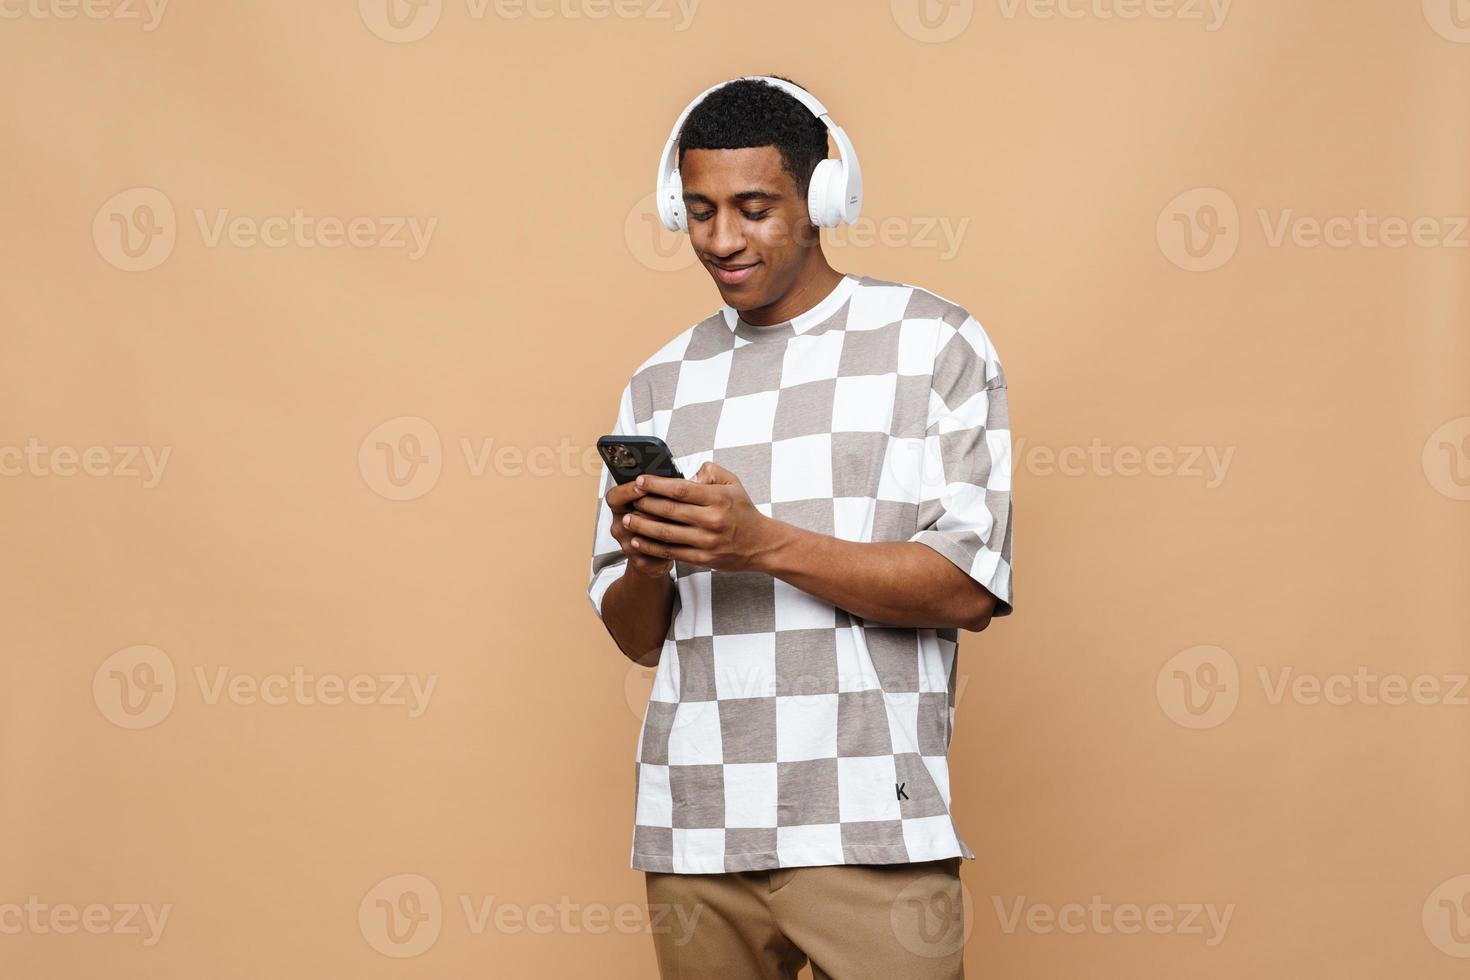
pixel 798 324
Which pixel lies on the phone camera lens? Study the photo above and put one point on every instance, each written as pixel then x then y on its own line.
pixel 622 458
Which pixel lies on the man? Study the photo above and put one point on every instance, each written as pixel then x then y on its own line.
pixel 846 512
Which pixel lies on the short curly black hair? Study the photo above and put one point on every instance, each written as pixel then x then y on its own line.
pixel 749 112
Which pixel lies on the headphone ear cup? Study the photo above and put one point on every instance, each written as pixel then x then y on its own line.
pixel 824 194
pixel 671 204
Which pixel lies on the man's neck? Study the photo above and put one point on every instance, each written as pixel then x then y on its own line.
pixel 810 288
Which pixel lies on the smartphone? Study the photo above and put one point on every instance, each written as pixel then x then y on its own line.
pixel 628 456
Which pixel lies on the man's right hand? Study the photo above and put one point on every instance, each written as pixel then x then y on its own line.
pixel 620 501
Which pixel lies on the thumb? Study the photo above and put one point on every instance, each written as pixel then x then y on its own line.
pixel 712 472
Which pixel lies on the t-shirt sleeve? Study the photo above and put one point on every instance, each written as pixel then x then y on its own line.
pixel 608 560
pixel 965 504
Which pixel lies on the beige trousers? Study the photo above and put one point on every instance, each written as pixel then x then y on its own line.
pixel 853 921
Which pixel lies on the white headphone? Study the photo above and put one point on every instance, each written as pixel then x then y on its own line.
pixel 834 195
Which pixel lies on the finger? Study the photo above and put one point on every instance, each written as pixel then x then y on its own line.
pixel 695 515
pixel 648 527
pixel 676 489
pixel 713 473
pixel 622 495
pixel 678 552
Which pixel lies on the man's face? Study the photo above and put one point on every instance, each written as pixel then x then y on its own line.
pixel 747 223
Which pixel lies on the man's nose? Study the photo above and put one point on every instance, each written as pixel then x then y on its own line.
pixel 728 236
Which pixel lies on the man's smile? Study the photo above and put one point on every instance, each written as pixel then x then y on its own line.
pixel 732 274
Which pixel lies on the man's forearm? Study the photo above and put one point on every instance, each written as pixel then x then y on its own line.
pixel 901 583
pixel 637 610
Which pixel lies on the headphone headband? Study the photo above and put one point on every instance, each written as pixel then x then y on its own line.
pixel 835 192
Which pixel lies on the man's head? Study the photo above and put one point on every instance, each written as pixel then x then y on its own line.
pixel 746 156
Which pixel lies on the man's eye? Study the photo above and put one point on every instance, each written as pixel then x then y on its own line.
pixel 748 215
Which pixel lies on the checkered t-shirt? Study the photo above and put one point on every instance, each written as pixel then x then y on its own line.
pixel 781 730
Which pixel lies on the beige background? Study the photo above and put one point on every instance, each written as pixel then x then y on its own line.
pixel 1062 156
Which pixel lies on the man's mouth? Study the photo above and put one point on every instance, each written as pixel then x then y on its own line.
pixel 733 275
